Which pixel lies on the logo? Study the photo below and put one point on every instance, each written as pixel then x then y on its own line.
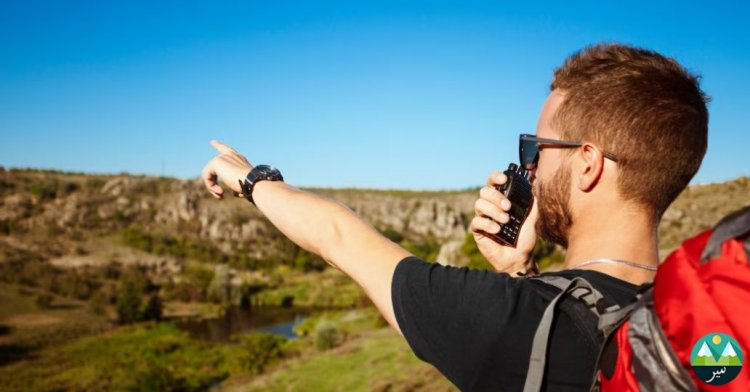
pixel 716 358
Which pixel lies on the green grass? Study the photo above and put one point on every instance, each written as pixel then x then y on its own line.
pixel 145 357
pixel 66 320
pixel 371 357
pixel 378 360
pixel 328 288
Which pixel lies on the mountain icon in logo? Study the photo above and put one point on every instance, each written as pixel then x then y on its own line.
pixel 712 367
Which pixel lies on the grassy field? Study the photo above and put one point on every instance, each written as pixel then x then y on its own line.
pixel 62 346
pixel 378 360
pixel 372 357
pixel 26 328
pixel 145 357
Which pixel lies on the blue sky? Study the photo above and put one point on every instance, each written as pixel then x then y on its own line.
pixel 420 95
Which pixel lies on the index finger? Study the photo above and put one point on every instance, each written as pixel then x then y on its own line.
pixel 221 147
pixel 496 178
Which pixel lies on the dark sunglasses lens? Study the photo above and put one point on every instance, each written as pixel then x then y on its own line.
pixel 528 154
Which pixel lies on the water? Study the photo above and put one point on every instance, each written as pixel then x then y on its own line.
pixel 236 321
pixel 285 329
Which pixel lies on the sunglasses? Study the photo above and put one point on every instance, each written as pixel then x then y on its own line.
pixel 528 149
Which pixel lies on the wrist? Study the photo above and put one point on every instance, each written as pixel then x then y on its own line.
pixel 258 175
pixel 521 265
pixel 262 189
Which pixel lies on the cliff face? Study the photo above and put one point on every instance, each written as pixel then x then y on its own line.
pixel 444 217
pixel 52 214
pixel 51 211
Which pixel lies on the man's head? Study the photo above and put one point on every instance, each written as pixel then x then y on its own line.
pixel 635 104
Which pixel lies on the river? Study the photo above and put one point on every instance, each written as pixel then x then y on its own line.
pixel 276 320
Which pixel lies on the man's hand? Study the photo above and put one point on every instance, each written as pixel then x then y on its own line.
pixel 493 204
pixel 230 166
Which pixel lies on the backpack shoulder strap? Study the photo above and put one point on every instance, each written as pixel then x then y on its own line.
pixel 590 296
pixel 734 225
pixel 578 288
pixel 612 319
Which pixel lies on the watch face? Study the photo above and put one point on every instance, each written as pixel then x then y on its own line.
pixel 268 172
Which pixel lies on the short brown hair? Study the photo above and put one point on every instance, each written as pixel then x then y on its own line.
pixel 642 107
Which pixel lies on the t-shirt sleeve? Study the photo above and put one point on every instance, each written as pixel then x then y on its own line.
pixel 451 317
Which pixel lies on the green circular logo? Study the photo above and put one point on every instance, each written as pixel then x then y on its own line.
pixel 716 358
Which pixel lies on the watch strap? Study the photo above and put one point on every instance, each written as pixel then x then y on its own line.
pixel 257 174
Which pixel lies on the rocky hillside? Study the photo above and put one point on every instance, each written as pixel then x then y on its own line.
pixel 64 217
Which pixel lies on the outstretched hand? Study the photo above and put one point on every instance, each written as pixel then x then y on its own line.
pixel 230 166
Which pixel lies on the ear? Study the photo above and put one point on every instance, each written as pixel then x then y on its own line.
pixel 590 167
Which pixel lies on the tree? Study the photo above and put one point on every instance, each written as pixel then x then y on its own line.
pixel 218 289
pixel 154 308
pixel 260 350
pixel 44 301
pixel 129 302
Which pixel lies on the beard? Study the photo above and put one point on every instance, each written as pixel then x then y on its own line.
pixel 553 196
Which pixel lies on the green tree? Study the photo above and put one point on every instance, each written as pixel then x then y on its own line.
pixel 392 235
pixel 154 308
pixel 261 349
pixel 306 261
pixel 219 290
pixel 129 301
pixel 199 277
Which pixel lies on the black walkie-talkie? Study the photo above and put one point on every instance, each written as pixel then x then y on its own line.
pixel 518 191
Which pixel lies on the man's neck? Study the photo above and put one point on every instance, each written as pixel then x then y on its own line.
pixel 620 235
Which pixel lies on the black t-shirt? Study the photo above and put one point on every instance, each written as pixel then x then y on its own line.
pixel 477 326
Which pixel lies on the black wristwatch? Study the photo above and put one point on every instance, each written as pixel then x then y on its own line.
pixel 259 173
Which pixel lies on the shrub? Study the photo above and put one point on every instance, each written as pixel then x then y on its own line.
pixel 93 183
pixel 306 261
pixel 327 335
pixel 98 303
pixel 476 259
pixel 179 246
pixel 218 290
pixel 156 357
pixel 287 301
pixel 129 302
pixel 44 190
pixel 547 254
pixel 393 235
pixel 199 277
pixel 154 308
pixel 44 301
pixel 425 250
pixel 260 349
pixel 306 327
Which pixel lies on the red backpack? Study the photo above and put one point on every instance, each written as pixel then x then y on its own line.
pixel 701 289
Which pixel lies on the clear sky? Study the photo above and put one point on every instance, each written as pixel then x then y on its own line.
pixel 421 95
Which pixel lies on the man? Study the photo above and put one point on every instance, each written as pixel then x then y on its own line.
pixel 639 123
